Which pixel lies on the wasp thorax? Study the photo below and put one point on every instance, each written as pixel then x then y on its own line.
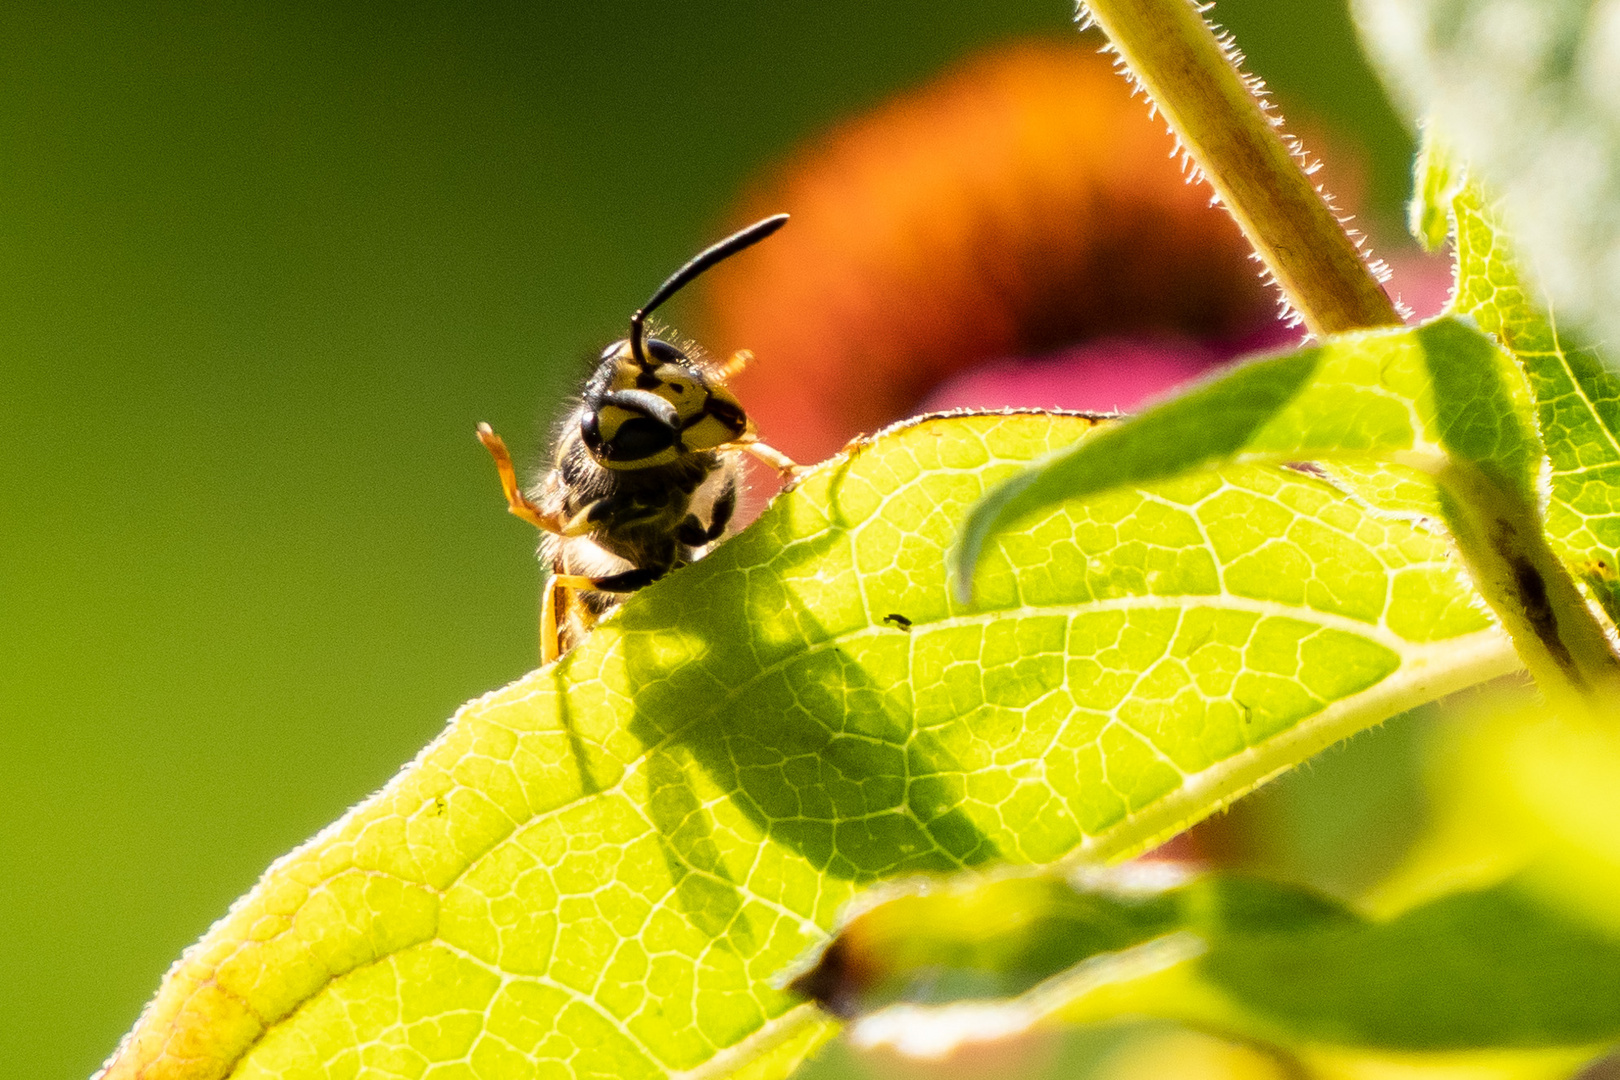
pixel 639 416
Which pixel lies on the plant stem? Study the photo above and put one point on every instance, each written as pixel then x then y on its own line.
pixel 1187 73
pixel 1501 539
pixel 1192 79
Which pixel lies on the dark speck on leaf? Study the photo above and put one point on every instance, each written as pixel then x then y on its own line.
pixel 835 982
pixel 899 622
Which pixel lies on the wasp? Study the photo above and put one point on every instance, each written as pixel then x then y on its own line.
pixel 645 470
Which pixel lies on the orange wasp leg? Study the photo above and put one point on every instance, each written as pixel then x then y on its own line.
pixel 551 612
pixel 516 503
pixel 550 632
pixel 770 455
pixel 519 506
pixel 733 367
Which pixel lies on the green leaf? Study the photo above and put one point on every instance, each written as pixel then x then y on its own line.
pixel 1421 397
pixel 1441 397
pixel 1389 488
pixel 1491 968
pixel 1436 180
pixel 1577 398
pixel 1525 93
pixel 601 868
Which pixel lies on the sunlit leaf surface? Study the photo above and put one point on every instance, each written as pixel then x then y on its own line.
pixel 599 870
pixel 1577 398
pixel 1417 397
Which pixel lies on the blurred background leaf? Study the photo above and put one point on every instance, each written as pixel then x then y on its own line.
pixel 1526 94
pixel 1496 967
pixel 264 266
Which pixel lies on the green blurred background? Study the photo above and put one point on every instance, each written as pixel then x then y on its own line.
pixel 262 269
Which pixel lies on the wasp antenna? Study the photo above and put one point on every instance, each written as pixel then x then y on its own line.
pixel 737 241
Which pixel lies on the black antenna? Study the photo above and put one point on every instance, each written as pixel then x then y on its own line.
pixel 696 265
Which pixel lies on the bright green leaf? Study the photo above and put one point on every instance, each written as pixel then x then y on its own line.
pixel 601 868
pixel 1389 488
pixel 1441 397
pixel 1492 968
pixel 1577 398
pixel 1419 397
pixel 1436 180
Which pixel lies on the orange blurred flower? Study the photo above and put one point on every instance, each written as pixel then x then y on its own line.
pixel 1016 206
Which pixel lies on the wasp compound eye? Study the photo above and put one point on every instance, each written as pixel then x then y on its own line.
pixel 628 426
pixel 664 352
pixel 728 413
pixel 638 439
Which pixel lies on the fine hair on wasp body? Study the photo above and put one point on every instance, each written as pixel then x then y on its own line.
pixel 645 472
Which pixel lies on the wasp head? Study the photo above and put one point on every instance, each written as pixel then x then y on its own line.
pixel 640 414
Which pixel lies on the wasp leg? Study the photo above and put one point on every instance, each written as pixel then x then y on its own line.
pixel 516 503
pixel 587 519
pixel 725 506
pixel 693 533
pixel 770 455
pixel 733 367
pixel 590 518
pixel 550 632
pixel 626 582
pixel 554 611
pixel 551 605
pixel 551 612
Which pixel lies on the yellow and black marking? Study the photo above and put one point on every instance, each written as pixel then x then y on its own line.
pixel 653 427
pixel 640 418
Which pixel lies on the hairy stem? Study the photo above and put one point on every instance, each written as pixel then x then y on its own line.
pixel 1186 71
pixel 1192 79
